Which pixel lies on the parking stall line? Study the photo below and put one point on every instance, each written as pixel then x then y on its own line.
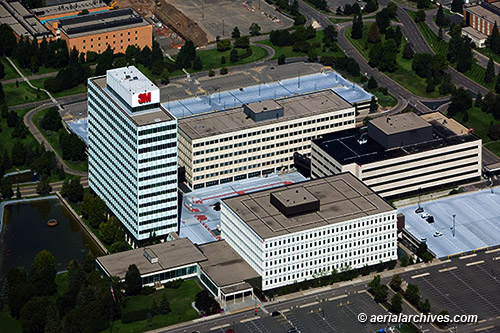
pixel 492 251
pixel 454 306
pixel 484 328
pixel 420 275
pixel 468 256
pixel 219 327
pixel 447 269
pixel 475 263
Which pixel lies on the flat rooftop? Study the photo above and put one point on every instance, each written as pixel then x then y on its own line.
pixel 200 221
pixel 482 12
pixel 224 266
pixel 216 100
pixel 22 22
pixel 476 222
pixel 343 146
pixel 474 33
pixel 92 24
pixel 132 79
pixel 233 120
pixel 170 255
pixel 63 8
pixel 342 197
pixel 140 118
pixel 399 123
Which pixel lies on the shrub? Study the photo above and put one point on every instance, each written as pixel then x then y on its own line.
pixel 147 290
pixel 174 284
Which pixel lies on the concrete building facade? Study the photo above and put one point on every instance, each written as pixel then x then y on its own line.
pixel 302 231
pixel 401 154
pixel 258 138
pixel 133 152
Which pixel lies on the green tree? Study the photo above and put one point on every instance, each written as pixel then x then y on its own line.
pixel 43 187
pixel 51 120
pixel 197 65
pixel 396 304
pixel 19 153
pixel 372 83
pixel 164 307
pixel 429 80
pixel 6 188
pixel 65 188
pixel 52 320
pixel 4 293
pixel 133 281
pixel 42 274
pixel 420 16
pixel 373 104
pixel 408 52
pixel 374 34
pixel 381 294
pixel 479 99
pixel 223 45
pixel 33 315
pixel 330 35
pixel 18 192
pixel 423 4
pixel 165 79
pixel 108 230
pixel 235 33
pixel 446 85
pixel 425 306
pixel 455 43
pixel 457 6
pixel 105 62
pixel 497 84
pixel 464 59
pixel 396 282
pixel 494 131
pixel 75 191
pixel 255 29
pixel 440 20
pixel 281 59
pixel 383 19
pixel 97 212
pixel 440 321
pixel 186 55
pixel 493 40
pixel 412 294
pixel 374 284
pixel 357 27
pixel 460 102
pixel 233 55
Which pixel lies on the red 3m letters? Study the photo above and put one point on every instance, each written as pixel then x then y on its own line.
pixel 145 98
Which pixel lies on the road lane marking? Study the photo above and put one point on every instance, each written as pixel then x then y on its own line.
pixel 492 251
pixel 248 319
pixel 308 304
pixel 420 275
pixel 484 328
pixel 447 269
pixel 219 327
pixel 496 258
pixel 475 263
pixel 469 256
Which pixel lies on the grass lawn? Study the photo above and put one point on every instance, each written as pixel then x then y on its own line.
pixel 22 94
pixel 406 328
pixel 479 121
pixel 475 73
pixel 27 72
pixel 494 147
pixel 180 302
pixel 404 74
pixel 384 100
pixel 81 88
pixel 53 139
pixel 62 280
pixel 10 72
pixel 290 53
pixel 488 52
pixel 7 323
pixel 6 141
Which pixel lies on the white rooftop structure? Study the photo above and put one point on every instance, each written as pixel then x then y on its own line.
pixel 133 86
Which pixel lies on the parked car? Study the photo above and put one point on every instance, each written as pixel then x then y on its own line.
pixel 430 219
pixel 425 215
pixel 423 239
pixel 438 234
pixel 276 313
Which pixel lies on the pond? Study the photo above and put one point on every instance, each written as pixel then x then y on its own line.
pixel 25 233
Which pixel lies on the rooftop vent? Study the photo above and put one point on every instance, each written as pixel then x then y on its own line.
pixel 150 255
pixel 295 201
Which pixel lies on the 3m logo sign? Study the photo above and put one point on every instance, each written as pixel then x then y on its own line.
pixel 145 98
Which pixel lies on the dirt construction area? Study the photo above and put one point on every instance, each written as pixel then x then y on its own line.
pixel 219 17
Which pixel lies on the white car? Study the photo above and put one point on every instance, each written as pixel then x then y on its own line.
pixel 438 234
pixel 425 215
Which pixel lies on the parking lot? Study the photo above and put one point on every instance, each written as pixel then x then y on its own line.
pixel 218 18
pixel 464 286
pixel 477 222
pixel 336 315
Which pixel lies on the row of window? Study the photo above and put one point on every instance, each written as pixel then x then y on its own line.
pixel 158 202
pixel 157 158
pixel 159 175
pixel 159 166
pixel 168 182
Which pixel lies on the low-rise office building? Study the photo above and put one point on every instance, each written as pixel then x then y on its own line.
pixel 217 266
pixel 401 154
pixel 257 138
pixel 301 231
pixel 133 152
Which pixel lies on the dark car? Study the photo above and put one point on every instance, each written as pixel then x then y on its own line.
pixel 276 313
pixel 430 219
